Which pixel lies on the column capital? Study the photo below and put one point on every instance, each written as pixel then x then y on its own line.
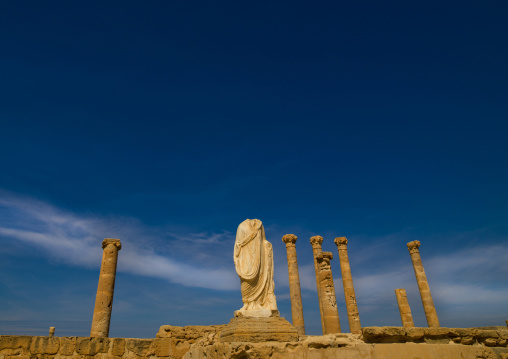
pixel 289 239
pixel 325 256
pixel 116 242
pixel 340 242
pixel 413 246
pixel 316 241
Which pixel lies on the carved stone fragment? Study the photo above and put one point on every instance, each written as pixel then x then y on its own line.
pixel 327 289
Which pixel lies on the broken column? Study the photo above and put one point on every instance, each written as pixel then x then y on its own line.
pixel 423 285
pixel 328 298
pixel 316 242
pixel 105 289
pixel 404 309
pixel 349 290
pixel 294 283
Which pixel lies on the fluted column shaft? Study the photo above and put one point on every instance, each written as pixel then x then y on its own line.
pixel 105 288
pixel 295 292
pixel 423 285
pixel 349 289
pixel 328 298
pixel 404 309
pixel 316 242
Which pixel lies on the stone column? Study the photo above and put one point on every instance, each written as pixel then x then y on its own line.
pixel 316 242
pixel 423 285
pixel 404 309
pixel 328 299
pixel 294 283
pixel 349 290
pixel 105 289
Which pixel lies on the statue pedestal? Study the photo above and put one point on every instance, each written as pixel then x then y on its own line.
pixel 258 329
pixel 256 313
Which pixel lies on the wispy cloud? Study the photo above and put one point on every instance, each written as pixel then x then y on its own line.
pixel 75 240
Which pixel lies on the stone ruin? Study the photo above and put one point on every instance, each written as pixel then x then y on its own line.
pixel 257 330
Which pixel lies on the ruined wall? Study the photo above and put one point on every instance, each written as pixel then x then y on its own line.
pixel 27 347
pixel 182 338
pixel 373 343
pixel 197 342
pixel 171 342
pixel 491 337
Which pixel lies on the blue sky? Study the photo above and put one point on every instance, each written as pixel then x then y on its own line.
pixel 166 124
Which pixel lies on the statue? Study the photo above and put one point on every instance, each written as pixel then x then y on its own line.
pixel 253 258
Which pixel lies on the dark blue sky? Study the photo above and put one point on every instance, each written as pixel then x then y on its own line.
pixel 175 121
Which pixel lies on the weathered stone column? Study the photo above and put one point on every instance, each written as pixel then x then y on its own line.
pixel 105 289
pixel 294 283
pixel 316 242
pixel 404 309
pixel 329 301
pixel 349 290
pixel 423 285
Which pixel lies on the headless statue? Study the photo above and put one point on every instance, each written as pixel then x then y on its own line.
pixel 253 258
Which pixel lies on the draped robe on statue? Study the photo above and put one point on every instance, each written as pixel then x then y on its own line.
pixel 253 258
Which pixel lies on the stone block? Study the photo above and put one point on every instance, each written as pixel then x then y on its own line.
pixel 92 346
pixel 179 347
pixel 437 335
pixel 489 342
pixel 15 342
pixel 415 333
pixel 166 331
pixel 17 357
pixel 67 345
pixel 469 340
pixel 462 332
pixel 384 334
pixel 481 334
pixel 437 332
pixel 372 331
pixel 456 340
pixel 140 347
pixel 487 337
pixel 45 345
pixel 118 346
pixel 160 347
